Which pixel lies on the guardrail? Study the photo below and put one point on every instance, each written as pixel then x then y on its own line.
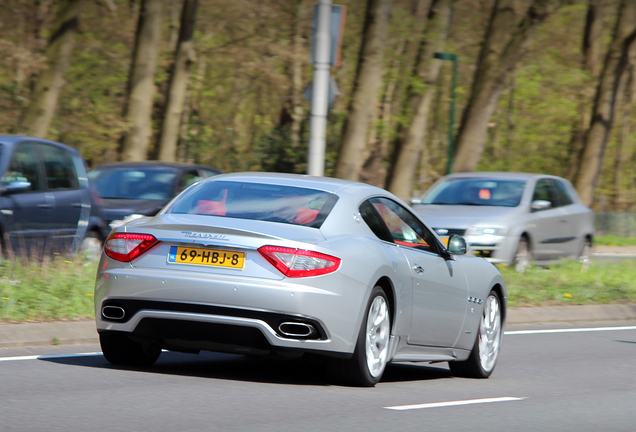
pixel 615 223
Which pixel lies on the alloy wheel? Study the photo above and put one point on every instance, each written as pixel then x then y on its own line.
pixel 377 336
pixel 490 333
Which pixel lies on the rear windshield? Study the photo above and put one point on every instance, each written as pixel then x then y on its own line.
pixel 476 191
pixel 152 183
pixel 256 201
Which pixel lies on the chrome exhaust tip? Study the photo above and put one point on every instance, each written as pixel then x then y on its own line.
pixel 297 329
pixel 113 312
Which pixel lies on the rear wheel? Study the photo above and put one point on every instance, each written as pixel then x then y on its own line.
pixel 483 357
pixel 91 246
pixel 370 357
pixel 585 254
pixel 120 350
pixel 523 255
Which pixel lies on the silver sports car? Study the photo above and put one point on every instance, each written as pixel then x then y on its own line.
pixel 279 264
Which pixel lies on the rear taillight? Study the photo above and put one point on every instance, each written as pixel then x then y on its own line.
pixel 295 263
pixel 125 247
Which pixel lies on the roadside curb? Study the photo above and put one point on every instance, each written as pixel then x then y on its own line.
pixel 571 314
pixel 50 333
pixel 84 332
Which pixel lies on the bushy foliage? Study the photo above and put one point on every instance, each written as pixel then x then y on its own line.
pixel 237 114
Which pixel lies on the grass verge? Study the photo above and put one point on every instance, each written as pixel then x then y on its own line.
pixel 51 290
pixel 567 283
pixel 614 240
pixel 63 290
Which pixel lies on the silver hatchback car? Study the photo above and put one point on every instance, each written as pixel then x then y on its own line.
pixel 511 218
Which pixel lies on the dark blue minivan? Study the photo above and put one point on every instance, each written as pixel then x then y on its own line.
pixel 46 206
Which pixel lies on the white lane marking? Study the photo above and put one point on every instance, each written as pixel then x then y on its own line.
pixel 453 403
pixel 46 357
pixel 572 330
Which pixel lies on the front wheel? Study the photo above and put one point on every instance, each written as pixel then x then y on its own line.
pixel 120 350
pixel 371 353
pixel 483 356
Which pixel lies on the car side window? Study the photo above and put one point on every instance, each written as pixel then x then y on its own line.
pixel 188 178
pixel 375 222
pixel 562 192
pixel 24 167
pixel 404 228
pixel 59 168
pixel 543 191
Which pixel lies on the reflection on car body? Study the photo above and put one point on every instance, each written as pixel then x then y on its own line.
pixel 269 263
pixel 510 218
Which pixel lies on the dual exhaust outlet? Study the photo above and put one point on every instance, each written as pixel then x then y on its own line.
pixel 113 312
pixel 287 329
pixel 297 330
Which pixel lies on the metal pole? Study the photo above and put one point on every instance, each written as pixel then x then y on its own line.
pixel 320 92
pixel 451 121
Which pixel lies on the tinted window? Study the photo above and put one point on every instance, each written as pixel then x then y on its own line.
pixel 24 167
pixel 256 201
pixel 404 228
pixel 189 178
pixel 476 191
pixel 563 193
pixel 134 183
pixel 375 222
pixel 59 168
pixel 543 191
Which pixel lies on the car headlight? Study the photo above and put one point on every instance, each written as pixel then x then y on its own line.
pixel 481 231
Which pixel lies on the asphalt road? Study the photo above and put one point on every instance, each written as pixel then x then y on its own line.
pixel 583 379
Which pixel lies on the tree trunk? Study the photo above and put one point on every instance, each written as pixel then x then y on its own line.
pixel 420 96
pixel 177 90
pixel 592 37
pixel 412 46
pixel 43 103
pixel 622 152
pixel 504 45
pixel 592 45
pixel 297 73
pixel 374 170
pixel 365 93
pixel 616 63
pixel 138 108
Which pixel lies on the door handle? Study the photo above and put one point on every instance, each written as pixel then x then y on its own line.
pixel 45 206
pixel 77 205
pixel 418 269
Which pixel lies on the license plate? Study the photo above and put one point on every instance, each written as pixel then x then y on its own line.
pixel 209 257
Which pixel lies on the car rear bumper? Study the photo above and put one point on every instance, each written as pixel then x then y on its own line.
pixel 189 311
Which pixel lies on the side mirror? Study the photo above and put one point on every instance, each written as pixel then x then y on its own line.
pixel 538 205
pixel 415 200
pixel 15 187
pixel 457 245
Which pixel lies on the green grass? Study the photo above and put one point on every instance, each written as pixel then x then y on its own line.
pixel 63 290
pixel 568 284
pixel 51 290
pixel 614 240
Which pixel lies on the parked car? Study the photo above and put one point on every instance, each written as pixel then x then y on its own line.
pixel 511 218
pixel 287 264
pixel 133 189
pixel 46 206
